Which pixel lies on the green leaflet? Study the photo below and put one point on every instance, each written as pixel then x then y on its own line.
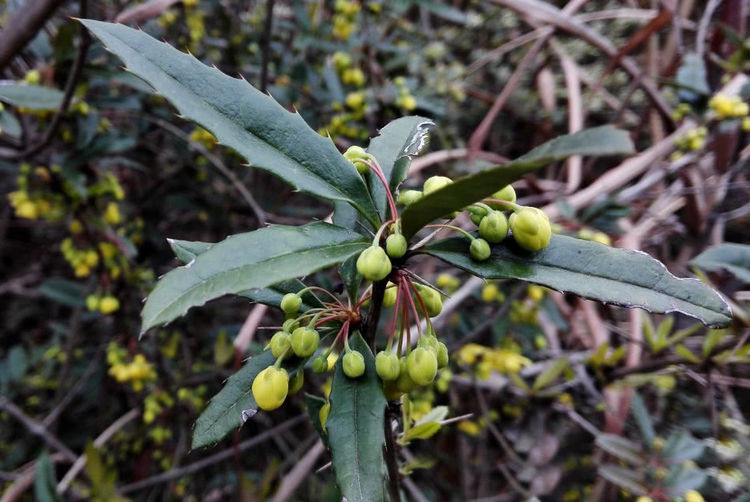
pixel 592 270
pixel 732 257
pixel 599 141
pixel 355 429
pixel 33 97
pixel 240 116
pixel 247 261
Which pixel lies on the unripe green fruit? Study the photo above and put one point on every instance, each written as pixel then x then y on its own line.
pixel 291 303
pixel 387 365
pixel 354 364
pixel 389 297
pixel 507 193
pixel 296 384
pixel 355 154
pixel 404 383
pixel 305 341
pixel 422 366
pixel 531 228
pixel 374 264
pixel 280 343
pixel 477 213
pixel 479 249
pixel 435 183
pixel 493 227
pixel 432 300
pixel 290 325
pixel 396 245
pixel 323 414
pixel 442 355
pixel 270 388
pixel 319 364
pixel 409 197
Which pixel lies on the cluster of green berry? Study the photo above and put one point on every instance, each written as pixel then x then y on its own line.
pixel 529 226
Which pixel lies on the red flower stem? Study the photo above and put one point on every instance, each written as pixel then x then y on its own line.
pixel 375 168
pixel 413 306
pixel 330 318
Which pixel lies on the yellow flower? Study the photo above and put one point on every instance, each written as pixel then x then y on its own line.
pixel 490 292
pixel 469 427
pixel 693 496
pixel 109 304
pixel 75 227
pixel 112 214
pixel 27 209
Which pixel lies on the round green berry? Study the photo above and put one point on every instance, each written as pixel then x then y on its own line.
pixel 531 228
pixel 493 227
pixel 396 245
pixel 291 303
pixel 389 297
pixel 435 183
pixel 270 388
pixel 507 193
pixel 290 325
pixel 355 155
pixel 319 364
pixel 479 249
pixel 296 383
pixel 280 343
pixel 353 364
pixel 431 299
pixel 422 366
pixel 305 341
pixel 404 383
pixel 373 264
pixel 387 365
pixel 442 355
pixel 409 197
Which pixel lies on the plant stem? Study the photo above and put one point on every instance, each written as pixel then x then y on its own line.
pixel 373 315
pixel 391 458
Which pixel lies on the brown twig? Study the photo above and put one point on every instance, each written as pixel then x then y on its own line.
pixel 70 86
pixel 23 27
pixel 36 428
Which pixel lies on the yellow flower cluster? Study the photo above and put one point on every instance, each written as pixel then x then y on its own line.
pixel 691 141
pixel 81 260
pixel 154 404
pixel 405 100
pixel 30 203
pixel 728 107
pixel 137 371
pixel 105 304
pixel 345 18
pixel 349 74
pixel 447 282
pixel 488 359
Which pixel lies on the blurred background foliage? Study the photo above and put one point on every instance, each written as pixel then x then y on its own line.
pixel 559 398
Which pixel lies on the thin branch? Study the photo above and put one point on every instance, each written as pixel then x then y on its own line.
pixel 213 459
pixel 70 86
pixel 36 428
pixel 23 27
pixel 100 440
pixel 298 474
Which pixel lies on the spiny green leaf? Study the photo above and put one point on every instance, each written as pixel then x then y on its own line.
pixel 624 478
pixel 45 485
pixel 355 429
pixel 732 257
pixel 246 261
pixel 33 97
pixel 620 448
pixel 642 418
pixel 9 124
pixel 592 270
pixel 464 191
pixel 240 116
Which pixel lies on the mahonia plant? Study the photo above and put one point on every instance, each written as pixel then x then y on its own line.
pixel 377 229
